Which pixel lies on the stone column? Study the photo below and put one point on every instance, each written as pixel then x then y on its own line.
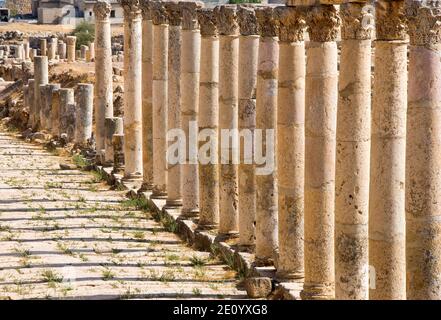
pixel 132 89
pixel 84 113
pixel 67 112
pixel 160 98
pixel 46 105
pixel 56 114
pixel 320 134
pixel 208 120
pixel 31 101
pixel 174 183
pixel 26 50
pixel 103 73
pixel 41 77
pixel 71 48
pixel 248 60
pixel 147 96
pixel 423 163
pixel 91 46
pixel 84 52
pixel 291 141
pixel 228 118
pixel 43 47
pixel 388 147
pixel 190 76
pixel 32 54
pixel 266 119
pixel 62 50
pixel 52 48
pixel 353 155
pixel 118 156
pixel 113 125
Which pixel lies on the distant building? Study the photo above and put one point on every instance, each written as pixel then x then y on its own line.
pixel 71 11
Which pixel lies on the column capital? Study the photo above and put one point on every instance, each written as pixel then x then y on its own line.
pixel 246 18
pixel 356 21
pixel 226 19
pixel 390 20
pixel 174 13
pixel 145 7
pixel 266 22
pixel 71 40
pixel 207 21
pixel 323 23
pixel 291 22
pixel 102 9
pixel 158 12
pixel 424 24
pixel 132 8
pixel 189 14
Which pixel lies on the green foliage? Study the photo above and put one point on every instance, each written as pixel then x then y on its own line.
pixel 85 33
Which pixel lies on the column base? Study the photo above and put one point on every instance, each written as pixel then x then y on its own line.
pixel 173 204
pixel 289 275
pixel 132 177
pixel 228 235
pixel 207 227
pixel 146 186
pixel 317 292
pixel 108 164
pixel 189 213
pixel 159 194
pixel 119 171
pixel 249 248
pixel 263 262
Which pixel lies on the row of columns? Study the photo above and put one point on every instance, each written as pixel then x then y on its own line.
pixel 348 208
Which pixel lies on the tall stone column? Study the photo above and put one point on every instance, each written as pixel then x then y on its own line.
pixel 84 113
pixel 71 48
pixel 67 112
pixel 46 105
pixel 423 165
pixel 291 141
pixel 91 46
pixel 132 89
pixel 160 98
pixel 56 114
pixel 228 118
pixel 248 59
pixel 174 183
pixel 26 49
pixel 190 76
pixel 84 52
pixel 43 47
pixel 266 119
pixel 388 147
pixel 320 134
pixel 208 120
pixel 147 96
pixel 62 50
pixel 41 76
pixel 113 125
pixel 103 73
pixel 353 155
pixel 118 155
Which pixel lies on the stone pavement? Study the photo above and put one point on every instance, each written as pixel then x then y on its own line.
pixel 64 234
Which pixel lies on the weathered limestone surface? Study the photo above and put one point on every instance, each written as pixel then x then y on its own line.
pixel 248 59
pixel 113 125
pixel 62 50
pixel 190 75
pixel 132 89
pixel 31 101
pixel 388 147
pixel 228 118
pixel 43 47
pixel 118 153
pixel 208 119
pixel 160 97
pixel 52 48
pixel 83 113
pixel 41 77
pixel 266 119
pixel 174 183
pixel 353 156
pixel 291 141
pixel 103 73
pixel 423 149
pixel 320 133
pixel 56 113
pixel 147 96
pixel 46 112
